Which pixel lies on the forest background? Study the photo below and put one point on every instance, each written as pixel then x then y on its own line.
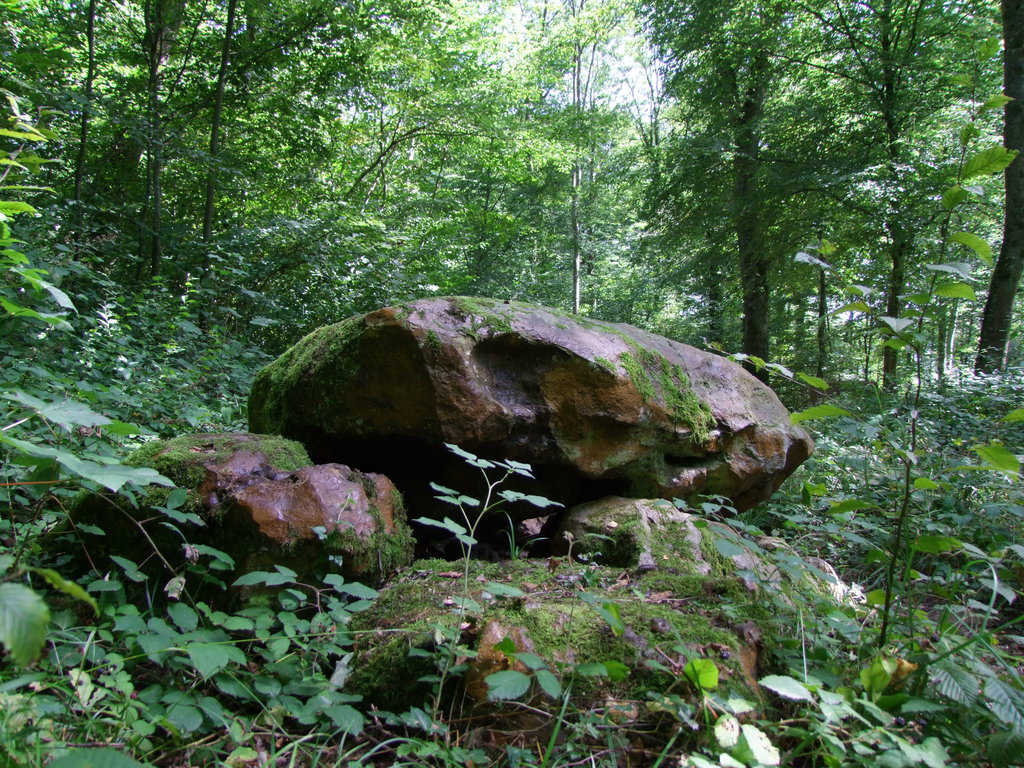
pixel 818 187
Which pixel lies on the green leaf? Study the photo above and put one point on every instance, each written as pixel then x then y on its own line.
pixel 617 671
pixel 819 412
pixel 728 548
pixel 897 324
pixel 702 672
pixel 185 717
pixel 67 413
pixel 469 458
pixel 787 687
pixel 23 620
pixel 813 381
pixel 1006 702
pixel 956 291
pixel 850 505
pixel 357 590
pixel 1004 749
pixel 953 196
pixel 853 306
pixel 591 669
pixel 131 570
pixel 548 683
pixel 999 458
pixel 727 731
pixel 14 207
pixel 987 162
pixel 925 484
pixel 532 661
pixel 875 597
pixel 876 676
pixel 954 682
pixel 507 685
pixel 807 258
pixel 111 476
pixel 253 577
pixel 755 748
pixel 977 244
pixel 19 311
pixel 958 268
pixel 998 101
pixel 537 501
pixel 506 646
pixel 184 616
pixel 504 590
pixel 969 133
pixel 210 658
pixel 936 544
pixel 346 718
pixel 608 610
pixel 1014 416
pixel 32 135
pixel 448 524
pixel 96 758
pixel 58 582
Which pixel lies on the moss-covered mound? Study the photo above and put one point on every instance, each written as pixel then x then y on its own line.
pixel 612 635
pixel 183 459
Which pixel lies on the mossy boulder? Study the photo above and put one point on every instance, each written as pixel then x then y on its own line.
pixel 662 620
pixel 649 534
pixel 184 459
pixel 247 502
pixel 595 408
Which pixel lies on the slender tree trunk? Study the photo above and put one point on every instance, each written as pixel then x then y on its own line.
pixel 715 305
pixel 83 145
pixel 821 358
pixel 163 19
pixel 995 323
pixel 218 109
pixel 893 119
pixel 577 252
pixel 899 246
pixel 577 171
pixel 941 347
pixel 753 259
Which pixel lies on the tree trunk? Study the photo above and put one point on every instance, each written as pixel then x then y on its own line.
pixel 899 243
pixel 941 346
pixel 83 145
pixel 715 306
pixel 218 108
pixel 822 327
pixel 753 260
pixel 995 323
pixel 163 19
pixel 577 171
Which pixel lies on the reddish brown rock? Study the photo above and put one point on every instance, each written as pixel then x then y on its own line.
pixel 357 518
pixel 596 408
pixel 261 503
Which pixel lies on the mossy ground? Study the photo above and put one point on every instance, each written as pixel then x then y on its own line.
pixel 668 618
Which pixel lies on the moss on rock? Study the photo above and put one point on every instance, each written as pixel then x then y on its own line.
pixel 665 622
pixel 183 459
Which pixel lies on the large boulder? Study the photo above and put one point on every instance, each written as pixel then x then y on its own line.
pixel 596 408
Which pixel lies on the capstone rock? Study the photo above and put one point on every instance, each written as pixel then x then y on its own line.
pixel 596 408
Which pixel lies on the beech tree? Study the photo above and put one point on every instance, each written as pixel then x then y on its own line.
pixel 996 321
